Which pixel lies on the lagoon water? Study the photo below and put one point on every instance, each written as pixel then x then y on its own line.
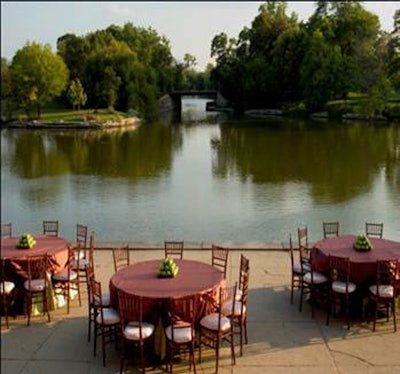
pixel 204 177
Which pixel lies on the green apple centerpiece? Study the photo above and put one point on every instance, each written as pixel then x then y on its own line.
pixel 168 268
pixel 362 244
pixel 26 241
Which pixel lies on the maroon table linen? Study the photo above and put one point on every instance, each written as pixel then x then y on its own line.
pixel 194 279
pixel 55 247
pixel 362 264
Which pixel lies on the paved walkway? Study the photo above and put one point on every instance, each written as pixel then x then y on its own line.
pixel 281 339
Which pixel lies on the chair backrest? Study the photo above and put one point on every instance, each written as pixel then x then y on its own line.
pixel 330 229
pixel 339 269
pixel 245 291
pixel 6 230
pixel 291 251
pixel 92 245
pixel 130 308
pixel 386 272
pixel 89 273
pixel 180 312
pixel 243 270
pixel 2 274
pixel 305 257
pixel 96 293
pixel 121 258
pixel 81 235
pixel 302 234
pixel 219 258
pixel 50 228
pixel 227 293
pixel 374 229
pixel 37 268
pixel 174 249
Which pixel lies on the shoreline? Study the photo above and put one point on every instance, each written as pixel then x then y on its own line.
pixel 131 122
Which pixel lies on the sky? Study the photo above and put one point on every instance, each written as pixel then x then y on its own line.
pixel 189 26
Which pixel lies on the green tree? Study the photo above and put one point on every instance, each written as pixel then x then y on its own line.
pixel 76 94
pixel 37 76
pixel 326 74
pixel 394 53
pixel 75 52
pixel 7 104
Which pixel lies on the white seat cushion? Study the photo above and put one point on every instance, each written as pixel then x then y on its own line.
pixel 105 299
pixel 340 287
pixel 210 322
pixel 82 264
pixel 384 290
pixel 181 334
pixel 317 277
pixel 80 254
pixel 36 285
pixel 239 294
pixel 297 268
pixel 63 275
pixel 226 308
pixel 110 316
pixel 6 287
pixel 132 331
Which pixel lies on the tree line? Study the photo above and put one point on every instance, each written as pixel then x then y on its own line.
pixel 278 61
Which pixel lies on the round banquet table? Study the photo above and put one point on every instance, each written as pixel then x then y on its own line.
pixel 15 258
pixel 362 264
pixel 194 279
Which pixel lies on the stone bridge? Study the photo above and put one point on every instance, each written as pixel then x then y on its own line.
pixel 173 100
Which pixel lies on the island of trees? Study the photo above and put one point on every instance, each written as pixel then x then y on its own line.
pixel 339 60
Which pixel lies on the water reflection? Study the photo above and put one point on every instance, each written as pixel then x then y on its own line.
pixel 205 177
pixel 337 161
pixel 127 154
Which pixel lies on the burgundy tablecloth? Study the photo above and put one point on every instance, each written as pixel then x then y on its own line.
pixel 55 247
pixel 194 279
pixel 362 264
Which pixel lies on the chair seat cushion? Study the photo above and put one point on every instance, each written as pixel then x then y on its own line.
pixel 132 331
pixel 384 290
pixel 340 287
pixel 210 322
pixel 181 334
pixel 317 277
pixel 297 268
pixel 239 294
pixel 79 253
pixel 226 308
pixel 105 300
pixel 63 275
pixel 37 285
pixel 82 264
pixel 6 287
pixel 110 317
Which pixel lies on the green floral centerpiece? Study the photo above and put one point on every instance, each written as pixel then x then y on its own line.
pixel 168 268
pixel 26 241
pixel 362 244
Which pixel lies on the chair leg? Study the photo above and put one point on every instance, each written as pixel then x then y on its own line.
pixel 233 356
pixel 246 341
pixel 347 312
pixel 103 345
pixel 95 339
pixel 28 307
pixel 375 316
pixel 217 357
pixel 301 298
pixel 291 292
